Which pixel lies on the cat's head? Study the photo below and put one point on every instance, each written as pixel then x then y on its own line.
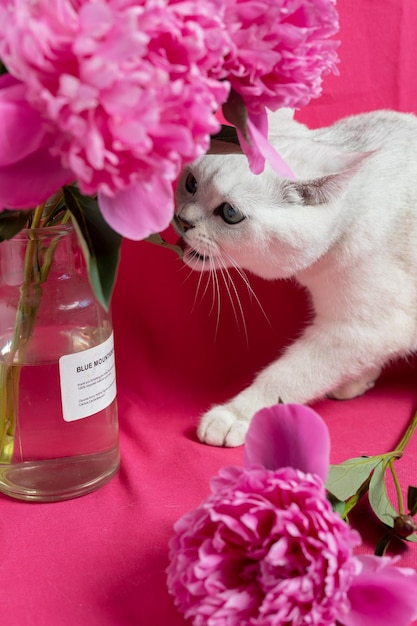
pixel 265 224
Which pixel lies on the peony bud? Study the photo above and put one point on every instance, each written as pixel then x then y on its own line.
pixel 404 526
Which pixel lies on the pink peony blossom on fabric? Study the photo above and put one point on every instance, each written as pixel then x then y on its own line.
pixel 266 549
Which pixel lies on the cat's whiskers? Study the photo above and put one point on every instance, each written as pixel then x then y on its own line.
pixel 189 272
pixel 209 281
pixel 185 268
pixel 232 291
pixel 201 273
pixel 200 280
pixel 247 284
pixel 216 293
pixel 212 266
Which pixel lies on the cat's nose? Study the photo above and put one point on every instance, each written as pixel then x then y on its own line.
pixel 182 224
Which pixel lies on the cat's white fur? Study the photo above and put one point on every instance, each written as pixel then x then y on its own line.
pixel 345 228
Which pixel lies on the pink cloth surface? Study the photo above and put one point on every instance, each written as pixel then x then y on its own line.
pixel 100 560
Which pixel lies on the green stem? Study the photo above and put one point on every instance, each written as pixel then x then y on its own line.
pixel 388 458
pixel 401 447
pixel 35 273
pixel 408 434
pixel 400 499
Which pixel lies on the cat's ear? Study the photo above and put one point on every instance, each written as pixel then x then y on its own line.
pixel 325 189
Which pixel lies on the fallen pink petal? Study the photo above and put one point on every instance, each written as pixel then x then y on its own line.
pixel 288 435
pixel 382 594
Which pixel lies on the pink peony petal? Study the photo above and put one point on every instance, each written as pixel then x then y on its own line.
pixel 288 435
pixel 31 181
pixel 260 149
pixel 140 210
pixel 29 173
pixel 381 594
pixel 21 129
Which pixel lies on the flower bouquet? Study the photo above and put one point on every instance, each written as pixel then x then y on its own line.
pixel 103 102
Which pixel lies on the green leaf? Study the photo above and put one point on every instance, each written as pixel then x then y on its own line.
pixel 378 497
pixel 159 241
pixel 412 500
pixel 344 479
pixel 337 505
pixel 99 242
pixel 12 222
pixel 383 544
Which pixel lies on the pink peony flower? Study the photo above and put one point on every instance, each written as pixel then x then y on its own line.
pixel 266 548
pixel 125 90
pixel 279 53
pixel 280 50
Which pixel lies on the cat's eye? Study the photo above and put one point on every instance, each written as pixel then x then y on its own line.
pixel 191 184
pixel 229 214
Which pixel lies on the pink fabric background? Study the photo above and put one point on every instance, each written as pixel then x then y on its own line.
pixel 100 560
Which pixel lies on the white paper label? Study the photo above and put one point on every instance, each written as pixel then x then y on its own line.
pixel 88 381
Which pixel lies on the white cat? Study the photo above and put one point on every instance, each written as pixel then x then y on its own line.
pixel 345 228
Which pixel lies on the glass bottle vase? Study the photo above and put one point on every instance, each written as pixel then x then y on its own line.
pixel 58 407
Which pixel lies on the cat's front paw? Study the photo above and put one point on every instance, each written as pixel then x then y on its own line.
pixel 221 427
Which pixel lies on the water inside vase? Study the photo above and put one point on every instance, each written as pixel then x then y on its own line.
pixel 54 459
